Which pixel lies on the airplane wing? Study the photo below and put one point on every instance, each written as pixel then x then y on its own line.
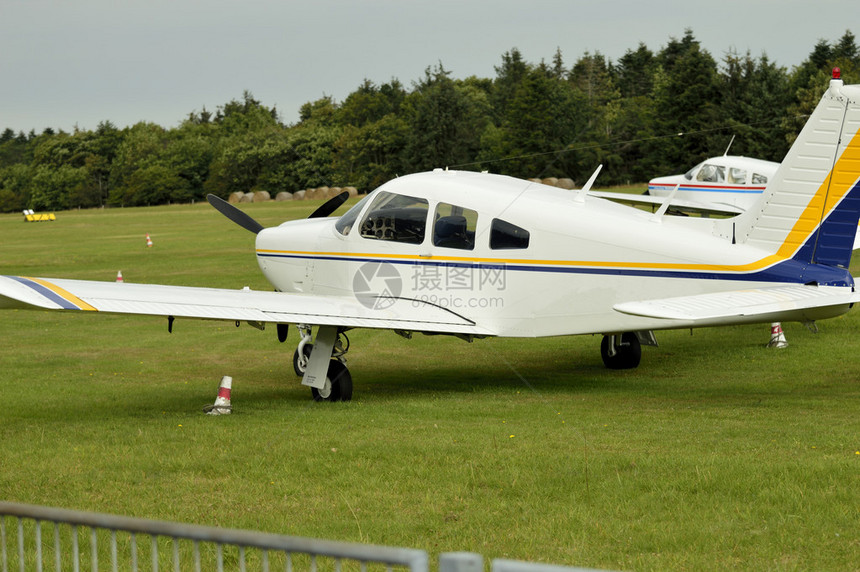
pixel 780 303
pixel 239 305
pixel 676 204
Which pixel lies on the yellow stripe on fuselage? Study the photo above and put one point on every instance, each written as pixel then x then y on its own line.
pixel 757 265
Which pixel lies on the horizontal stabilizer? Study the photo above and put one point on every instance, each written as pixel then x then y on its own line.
pixel 234 305
pixel 777 304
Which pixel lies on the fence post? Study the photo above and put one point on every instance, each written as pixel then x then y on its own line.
pixel 461 562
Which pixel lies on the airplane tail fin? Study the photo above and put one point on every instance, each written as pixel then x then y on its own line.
pixel 810 209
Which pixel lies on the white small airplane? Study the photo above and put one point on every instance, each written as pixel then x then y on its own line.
pixel 726 186
pixel 475 255
pixel 727 182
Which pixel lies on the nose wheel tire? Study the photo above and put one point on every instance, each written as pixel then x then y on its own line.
pixel 299 366
pixel 338 384
pixel 621 351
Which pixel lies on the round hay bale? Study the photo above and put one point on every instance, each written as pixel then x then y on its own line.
pixel 235 197
pixel 299 195
pixel 534 180
pixel 353 192
pixel 310 194
pixel 551 181
pixel 334 191
pixel 247 198
pixel 284 196
pixel 566 183
pixel 262 196
pixel 322 192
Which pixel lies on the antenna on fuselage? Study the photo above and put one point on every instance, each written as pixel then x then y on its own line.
pixel 726 154
pixel 580 195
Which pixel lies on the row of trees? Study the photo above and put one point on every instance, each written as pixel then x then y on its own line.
pixel 646 114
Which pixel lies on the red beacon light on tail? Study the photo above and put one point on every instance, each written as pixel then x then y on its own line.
pixel 837 73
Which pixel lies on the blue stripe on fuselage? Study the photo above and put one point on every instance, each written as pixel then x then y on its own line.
pixel 787 271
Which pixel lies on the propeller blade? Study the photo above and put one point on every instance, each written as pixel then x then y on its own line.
pixel 330 205
pixel 234 214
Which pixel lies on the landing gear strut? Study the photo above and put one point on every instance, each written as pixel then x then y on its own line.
pixel 621 351
pixel 336 385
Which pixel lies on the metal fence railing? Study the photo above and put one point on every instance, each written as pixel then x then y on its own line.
pixel 42 538
pixel 32 537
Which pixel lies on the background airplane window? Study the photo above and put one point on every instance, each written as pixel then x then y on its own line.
pixel 398 218
pixel 712 174
pixel 454 227
pixel 737 176
pixel 504 235
pixel 759 179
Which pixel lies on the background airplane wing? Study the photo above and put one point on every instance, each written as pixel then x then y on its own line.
pixel 240 305
pixel 780 303
pixel 676 204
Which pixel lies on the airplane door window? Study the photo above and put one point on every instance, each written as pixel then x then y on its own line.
pixel 397 218
pixel 454 227
pixel 758 179
pixel 712 174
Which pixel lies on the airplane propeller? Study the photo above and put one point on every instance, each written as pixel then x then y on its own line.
pixel 330 205
pixel 245 221
pixel 234 214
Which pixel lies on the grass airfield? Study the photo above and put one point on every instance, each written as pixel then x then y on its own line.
pixel 715 453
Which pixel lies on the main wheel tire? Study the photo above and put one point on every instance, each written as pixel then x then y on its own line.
pixel 300 371
pixel 338 384
pixel 628 352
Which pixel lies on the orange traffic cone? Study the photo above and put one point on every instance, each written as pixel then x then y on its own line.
pixel 119 276
pixel 777 336
pixel 148 240
pixel 222 402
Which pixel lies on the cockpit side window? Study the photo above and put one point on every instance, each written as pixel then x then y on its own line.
pixel 454 227
pixel 712 174
pixel 758 179
pixel 737 176
pixel 506 236
pixel 396 218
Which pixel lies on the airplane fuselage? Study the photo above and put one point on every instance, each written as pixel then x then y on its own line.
pixel 565 265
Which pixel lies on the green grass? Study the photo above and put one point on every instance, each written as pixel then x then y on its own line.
pixel 715 453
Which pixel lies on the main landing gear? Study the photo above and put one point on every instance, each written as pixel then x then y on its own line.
pixel 624 350
pixel 327 376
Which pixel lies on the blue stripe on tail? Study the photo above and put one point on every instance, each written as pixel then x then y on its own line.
pixel 832 241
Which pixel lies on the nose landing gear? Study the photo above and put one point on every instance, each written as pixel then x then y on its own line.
pixel 336 385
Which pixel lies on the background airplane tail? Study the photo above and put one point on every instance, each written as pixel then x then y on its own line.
pixel 810 209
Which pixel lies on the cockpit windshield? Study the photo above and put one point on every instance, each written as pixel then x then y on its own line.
pixel 345 223
pixel 689 174
pixel 396 218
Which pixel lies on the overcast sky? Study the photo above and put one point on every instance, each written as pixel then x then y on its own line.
pixel 78 62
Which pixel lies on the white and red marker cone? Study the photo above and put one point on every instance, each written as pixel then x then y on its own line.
pixel 148 240
pixel 777 336
pixel 119 276
pixel 222 402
